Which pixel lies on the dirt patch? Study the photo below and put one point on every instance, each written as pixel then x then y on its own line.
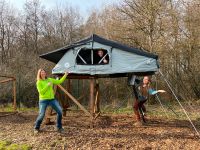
pixel 109 132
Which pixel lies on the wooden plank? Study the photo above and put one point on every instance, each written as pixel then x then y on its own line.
pixel 98 103
pixel 48 115
pixel 7 77
pixel 75 101
pixel 14 95
pixel 97 115
pixel 81 97
pixel 92 81
pixel 7 80
pixel 96 99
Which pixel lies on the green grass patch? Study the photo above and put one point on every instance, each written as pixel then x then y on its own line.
pixel 28 109
pixel 9 108
pixel 7 145
pixel 170 112
pixel 117 110
pixel 4 144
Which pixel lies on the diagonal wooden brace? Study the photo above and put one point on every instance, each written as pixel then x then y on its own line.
pixel 7 80
pixel 75 101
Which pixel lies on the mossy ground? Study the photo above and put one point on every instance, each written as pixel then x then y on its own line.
pixel 8 145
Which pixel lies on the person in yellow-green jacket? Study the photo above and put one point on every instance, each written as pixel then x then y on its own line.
pixel 46 98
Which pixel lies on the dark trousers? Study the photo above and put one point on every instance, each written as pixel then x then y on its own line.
pixel 136 106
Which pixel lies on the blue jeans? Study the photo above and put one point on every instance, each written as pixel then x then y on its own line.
pixel 42 109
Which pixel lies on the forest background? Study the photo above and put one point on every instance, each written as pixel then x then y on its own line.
pixel 168 28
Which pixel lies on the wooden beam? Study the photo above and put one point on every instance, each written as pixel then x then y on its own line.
pixel 7 77
pixel 92 81
pixel 7 80
pixel 81 97
pixel 97 115
pixel 14 89
pixel 48 115
pixel 96 99
pixel 75 101
pixel 14 95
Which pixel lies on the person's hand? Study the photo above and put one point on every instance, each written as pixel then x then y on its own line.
pixel 161 91
pixel 66 72
pixel 105 61
pixel 49 83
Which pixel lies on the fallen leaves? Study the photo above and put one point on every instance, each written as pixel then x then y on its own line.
pixel 109 132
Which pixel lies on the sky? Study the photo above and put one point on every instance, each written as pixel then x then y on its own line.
pixel 84 6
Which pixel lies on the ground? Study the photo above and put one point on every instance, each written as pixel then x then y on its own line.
pixel 111 131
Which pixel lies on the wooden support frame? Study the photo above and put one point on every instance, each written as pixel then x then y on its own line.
pixel 13 79
pixel 75 101
pixel 94 111
pixel 97 100
pixel 92 100
pixel 81 97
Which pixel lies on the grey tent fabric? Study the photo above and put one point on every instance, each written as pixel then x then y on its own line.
pixel 56 55
pixel 123 60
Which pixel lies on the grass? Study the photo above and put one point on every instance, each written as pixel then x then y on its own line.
pixel 113 110
pixel 9 108
pixel 170 112
pixel 8 145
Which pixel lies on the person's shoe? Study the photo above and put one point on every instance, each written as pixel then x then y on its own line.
pixel 61 130
pixel 138 124
pixel 36 131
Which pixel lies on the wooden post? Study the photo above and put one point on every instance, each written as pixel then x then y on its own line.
pixel 97 103
pixel 14 95
pixel 48 114
pixel 13 79
pixel 98 99
pixel 92 101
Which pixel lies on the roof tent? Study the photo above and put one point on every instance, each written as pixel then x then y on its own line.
pixel 82 58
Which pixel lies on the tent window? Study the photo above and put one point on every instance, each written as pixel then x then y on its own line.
pixel 84 57
pixel 92 57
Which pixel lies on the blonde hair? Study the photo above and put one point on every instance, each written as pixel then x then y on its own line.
pixel 39 74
